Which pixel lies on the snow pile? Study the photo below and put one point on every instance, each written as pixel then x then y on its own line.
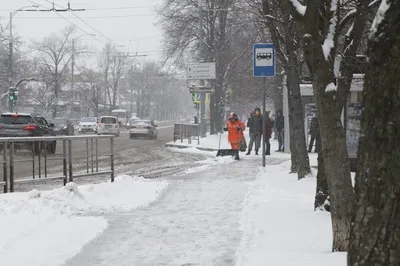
pixel 125 194
pixel 47 228
pixel 45 239
pixel 279 225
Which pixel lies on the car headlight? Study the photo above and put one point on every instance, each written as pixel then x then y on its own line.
pixel 64 127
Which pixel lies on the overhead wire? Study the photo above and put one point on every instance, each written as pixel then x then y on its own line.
pixel 73 24
pixel 97 17
pixel 90 26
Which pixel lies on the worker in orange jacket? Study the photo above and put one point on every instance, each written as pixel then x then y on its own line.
pixel 235 129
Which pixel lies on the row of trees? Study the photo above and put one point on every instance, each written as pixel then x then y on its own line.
pixel 317 34
pixel 65 82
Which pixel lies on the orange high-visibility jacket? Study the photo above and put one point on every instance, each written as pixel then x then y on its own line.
pixel 235 135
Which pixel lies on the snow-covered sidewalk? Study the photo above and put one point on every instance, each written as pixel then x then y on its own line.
pixel 195 223
pixel 279 224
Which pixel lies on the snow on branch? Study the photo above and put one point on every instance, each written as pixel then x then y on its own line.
pixel 331 87
pixel 352 13
pixel 380 16
pixel 299 7
pixel 329 42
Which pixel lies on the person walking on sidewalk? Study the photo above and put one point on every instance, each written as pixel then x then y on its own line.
pixel 255 126
pixel 268 133
pixel 235 129
pixel 314 132
pixel 279 124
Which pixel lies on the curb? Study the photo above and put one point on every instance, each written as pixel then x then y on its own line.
pixel 186 147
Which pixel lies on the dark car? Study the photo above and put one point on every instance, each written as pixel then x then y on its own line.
pixel 63 126
pixel 27 125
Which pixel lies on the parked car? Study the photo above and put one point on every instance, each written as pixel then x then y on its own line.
pixel 87 124
pixel 63 126
pixel 143 128
pixel 108 125
pixel 27 125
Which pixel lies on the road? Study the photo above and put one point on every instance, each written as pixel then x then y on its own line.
pixel 144 157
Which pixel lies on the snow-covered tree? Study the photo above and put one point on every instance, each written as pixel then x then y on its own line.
pixel 375 233
pixel 322 24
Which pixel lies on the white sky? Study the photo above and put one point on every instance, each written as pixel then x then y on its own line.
pixel 130 23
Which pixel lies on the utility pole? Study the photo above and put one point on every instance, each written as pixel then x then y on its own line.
pixel 11 44
pixel 11 58
pixel 203 126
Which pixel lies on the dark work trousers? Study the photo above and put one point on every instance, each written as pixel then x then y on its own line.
pixel 267 147
pixel 254 137
pixel 311 144
pixel 280 140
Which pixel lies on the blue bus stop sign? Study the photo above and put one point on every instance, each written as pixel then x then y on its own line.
pixel 264 62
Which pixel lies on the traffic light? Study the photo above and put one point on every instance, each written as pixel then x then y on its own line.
pixel 12 96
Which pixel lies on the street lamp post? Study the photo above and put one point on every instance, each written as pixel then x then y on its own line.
pixel 11 45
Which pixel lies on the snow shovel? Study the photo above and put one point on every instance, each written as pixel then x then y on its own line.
pixel 224 152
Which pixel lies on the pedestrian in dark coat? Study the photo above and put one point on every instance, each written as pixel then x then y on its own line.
pixel 279 125
pixel 255 124
pixel 268 133
pixel 314 132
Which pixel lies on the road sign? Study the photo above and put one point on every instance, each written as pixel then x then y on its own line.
pixel 264 60
pixel 197 96
pixel 202 89
pixel 200 71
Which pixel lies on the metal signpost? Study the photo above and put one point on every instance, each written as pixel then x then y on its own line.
pixel 264 65
pixel 201 71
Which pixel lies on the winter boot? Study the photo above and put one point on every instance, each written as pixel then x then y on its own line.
pixel 256 152
pixel 248 152
pixel 237 155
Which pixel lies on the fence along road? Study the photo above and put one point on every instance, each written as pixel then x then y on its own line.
pixel 122 145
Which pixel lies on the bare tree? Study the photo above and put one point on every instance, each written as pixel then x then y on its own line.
pixel 55 54
pixel 42 92
pixel 104 62
pixel 87 86
pixel 111 64
pixel 281 28
pixel 322 23
pixel 184 37
pixel 117 70
pixel 375 233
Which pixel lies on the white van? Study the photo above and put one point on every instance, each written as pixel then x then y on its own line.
pixel 108 125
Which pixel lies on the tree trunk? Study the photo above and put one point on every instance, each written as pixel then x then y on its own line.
pixel 302 161
pixel 293 151
pixel 333 138
pixel 375 234
pixel 336 160
pixel 321 201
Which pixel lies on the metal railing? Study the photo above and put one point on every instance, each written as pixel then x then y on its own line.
pixel 187 131
pixel 40 159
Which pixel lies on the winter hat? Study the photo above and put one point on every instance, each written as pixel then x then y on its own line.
pixel 257 109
